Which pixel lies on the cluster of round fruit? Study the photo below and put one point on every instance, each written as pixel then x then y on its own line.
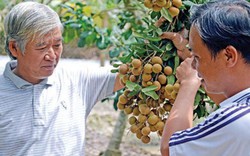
pixel 147 114
pixel 172 5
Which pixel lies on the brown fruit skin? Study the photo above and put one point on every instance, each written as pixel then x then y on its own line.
pixel 144 109
pixel 145 131
pixel 145 139
pixel 147 68
pixel 123 99
pixel 136 63
pixel 160 3
pixel 168 70
pixel 142 118
pixel 177 3
pixel 168 4
pixel 169 88
pixel 136 71
pixel 153 119
pixel 156 59
pixel 132 120
pixel 134 128
pixel 167 107
pixel 120 106
pixel 173 11
pixel 138 134
pixel 159 126
pixel 157 84
pixel 132 78
pixel 157 68
pixel 176 87
pixel 136 111
pixel 148 4
pixel 157 8
pixel 162 79
pixel 123 69
pixel 146 77
pixel 128 110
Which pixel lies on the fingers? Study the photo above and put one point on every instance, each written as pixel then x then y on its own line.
pixel 178 41
pixel 186 73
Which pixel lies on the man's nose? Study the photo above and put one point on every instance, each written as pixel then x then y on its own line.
pixel 50 55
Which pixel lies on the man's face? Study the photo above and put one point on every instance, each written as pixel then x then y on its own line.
pixel 209 69
pixel 40 57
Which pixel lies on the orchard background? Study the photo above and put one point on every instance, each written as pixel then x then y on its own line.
pixel 126 33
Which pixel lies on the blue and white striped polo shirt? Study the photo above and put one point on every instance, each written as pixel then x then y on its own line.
pixel 48 119
pixel 226 132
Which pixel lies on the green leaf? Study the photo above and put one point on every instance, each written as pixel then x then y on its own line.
pixel 165 14
pixel 132 86
pixel 149 88
pixel 197 99
pixel 171 79
pixel 133 93
pixel 155 48
pixel 125 59
pixel 169 46
pixel 114 52
pixel 127 34
pixel 81 42
pixel 152 94
pixel 102 43
pixel 144 36
pixel 114 70
pixel 176 63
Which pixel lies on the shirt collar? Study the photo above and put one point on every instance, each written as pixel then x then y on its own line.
pixel 237 98
pixel 19 82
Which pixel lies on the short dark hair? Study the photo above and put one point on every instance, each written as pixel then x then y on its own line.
pixel 222 23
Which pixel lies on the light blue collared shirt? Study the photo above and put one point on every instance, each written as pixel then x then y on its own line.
pixel 48 119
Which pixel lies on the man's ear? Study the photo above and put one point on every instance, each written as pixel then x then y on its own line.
pixel 231 56
pixel 13 48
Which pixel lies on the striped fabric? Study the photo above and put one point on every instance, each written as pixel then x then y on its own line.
pixel 48 119
pixel 220 124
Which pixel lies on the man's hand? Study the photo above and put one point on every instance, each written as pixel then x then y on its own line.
pixel 179 42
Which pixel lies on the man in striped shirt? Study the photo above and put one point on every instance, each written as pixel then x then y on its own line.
pixel 219 40
pixel 43 109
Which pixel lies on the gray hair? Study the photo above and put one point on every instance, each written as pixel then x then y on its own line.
pixel 27 19
pixel 224 22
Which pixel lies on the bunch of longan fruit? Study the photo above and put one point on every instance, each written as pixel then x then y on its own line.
pixel 171 5
pixel 147 114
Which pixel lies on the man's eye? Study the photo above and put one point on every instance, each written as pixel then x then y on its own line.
pixel 57 45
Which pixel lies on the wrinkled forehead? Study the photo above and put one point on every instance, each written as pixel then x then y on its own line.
pixel 54 35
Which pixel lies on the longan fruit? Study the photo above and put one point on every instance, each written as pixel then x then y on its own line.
pixel 147 68
pixel 159 125
pixel 132 120
pixel 157 8
pixel 157 84
pixel 146 77
pixel 123 69
pixel 153 119
pixel 145 139
pixel 160 3
pixel 145 131
pixel 168 70
pixel 162 79
pixel 136 63
pixel 156 59
pixel 148 3
pixel 157 68
pixel 177 3
pixel 123 99
pixel 173 11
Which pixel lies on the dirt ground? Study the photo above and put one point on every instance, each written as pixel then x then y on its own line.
pixel 100 125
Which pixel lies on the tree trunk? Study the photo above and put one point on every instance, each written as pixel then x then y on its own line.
pixel 116 139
